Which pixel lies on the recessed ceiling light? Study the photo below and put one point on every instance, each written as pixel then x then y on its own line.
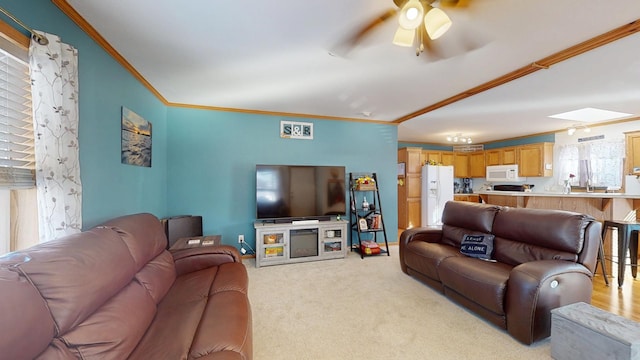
pixel 590 115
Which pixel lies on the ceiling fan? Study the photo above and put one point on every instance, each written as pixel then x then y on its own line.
pixel 419 22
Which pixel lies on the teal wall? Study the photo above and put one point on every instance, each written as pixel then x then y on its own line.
pixel 109 188
pixel 492 145
pixel 212 158
pixel 425 146
pixel 522 141
pixel 203 161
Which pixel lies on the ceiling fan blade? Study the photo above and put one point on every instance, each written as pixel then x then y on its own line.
pixel 400 3
pixel 366 28
pixel 460 43
pixel 454 3
pixel 352 40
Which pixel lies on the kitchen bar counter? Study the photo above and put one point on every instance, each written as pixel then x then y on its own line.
pixel 557 194
pixel 602 206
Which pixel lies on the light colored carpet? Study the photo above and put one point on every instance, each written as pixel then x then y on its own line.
pixel 367 309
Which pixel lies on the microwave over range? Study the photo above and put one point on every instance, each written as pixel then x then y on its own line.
pixel 503 173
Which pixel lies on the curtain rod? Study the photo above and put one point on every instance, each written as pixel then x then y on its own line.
pixel 41 39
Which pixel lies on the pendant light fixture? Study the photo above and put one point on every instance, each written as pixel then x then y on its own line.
pixel 459 138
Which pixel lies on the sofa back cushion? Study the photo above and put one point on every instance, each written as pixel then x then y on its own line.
pixel 142 233
pixel 97 290
pixel 524 235
pixel 20 308
pixel 465 218
pixel 145 237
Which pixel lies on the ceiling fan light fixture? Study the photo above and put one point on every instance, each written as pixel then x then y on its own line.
pixel 404 37
pixel 411 15
pixel 436 22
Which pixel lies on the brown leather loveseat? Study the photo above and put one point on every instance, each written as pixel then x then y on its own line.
pixel 115 292
pixel 541 259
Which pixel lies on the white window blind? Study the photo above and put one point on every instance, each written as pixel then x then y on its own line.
pixel 17 157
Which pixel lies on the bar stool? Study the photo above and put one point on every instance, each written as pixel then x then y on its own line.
pixel 601 261
pixel 625 231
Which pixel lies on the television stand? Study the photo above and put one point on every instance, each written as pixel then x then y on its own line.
pixel 278 243
pixel 302 222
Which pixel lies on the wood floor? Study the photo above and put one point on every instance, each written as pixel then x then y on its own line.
pixel 623 301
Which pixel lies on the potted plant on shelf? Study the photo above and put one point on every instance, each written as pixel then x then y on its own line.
pixel 364 183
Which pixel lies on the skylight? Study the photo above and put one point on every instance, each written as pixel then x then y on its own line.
pixel 590 115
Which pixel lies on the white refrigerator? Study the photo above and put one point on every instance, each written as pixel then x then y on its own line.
pixel 437 189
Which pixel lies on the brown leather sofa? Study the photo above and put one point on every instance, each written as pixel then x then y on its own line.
pixel 542 259
pixel 115 292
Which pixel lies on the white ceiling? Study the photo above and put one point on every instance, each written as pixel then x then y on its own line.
pixel 275 56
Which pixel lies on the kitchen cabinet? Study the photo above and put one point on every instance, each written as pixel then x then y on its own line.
pixel 535 160
pixel 409 187
pixel 467 197
pixel 461 165
pixel 501 156
pixel 477 167
pixel 446 158
pixel 632 141
pixel 493 157
pixel 431 156
pixel 509 155
pixel 439 157
pixel 469 164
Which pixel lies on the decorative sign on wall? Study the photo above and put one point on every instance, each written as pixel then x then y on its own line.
pixel 296 130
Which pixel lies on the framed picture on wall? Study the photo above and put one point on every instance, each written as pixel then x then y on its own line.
pixel 136 139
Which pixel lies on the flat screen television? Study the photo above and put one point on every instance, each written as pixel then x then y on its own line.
pixel 291 192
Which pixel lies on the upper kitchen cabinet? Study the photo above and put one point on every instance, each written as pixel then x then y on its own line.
pixel 439 157
pixel 446 158
pixel 431 156
pixel 501 156
pixel 510 155
pixel 535 160
pixel 477 167
pixel 461 165
pixel 412 158
pixel 632 140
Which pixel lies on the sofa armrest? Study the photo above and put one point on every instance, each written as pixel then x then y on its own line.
pixel 194 259
pixel 432 235
pixel 537 287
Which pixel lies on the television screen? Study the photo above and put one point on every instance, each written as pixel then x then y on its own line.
pixel 299 191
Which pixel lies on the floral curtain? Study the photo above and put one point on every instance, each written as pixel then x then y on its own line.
pixel 599 163
pixel 54 87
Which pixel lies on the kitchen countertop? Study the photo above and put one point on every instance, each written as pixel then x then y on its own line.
pixel 557 194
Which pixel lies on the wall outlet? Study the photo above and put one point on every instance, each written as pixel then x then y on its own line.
pixel 240 239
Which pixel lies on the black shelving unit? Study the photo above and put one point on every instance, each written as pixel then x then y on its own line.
pixel 372 216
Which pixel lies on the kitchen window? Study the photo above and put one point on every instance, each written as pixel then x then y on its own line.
pixel 600 163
